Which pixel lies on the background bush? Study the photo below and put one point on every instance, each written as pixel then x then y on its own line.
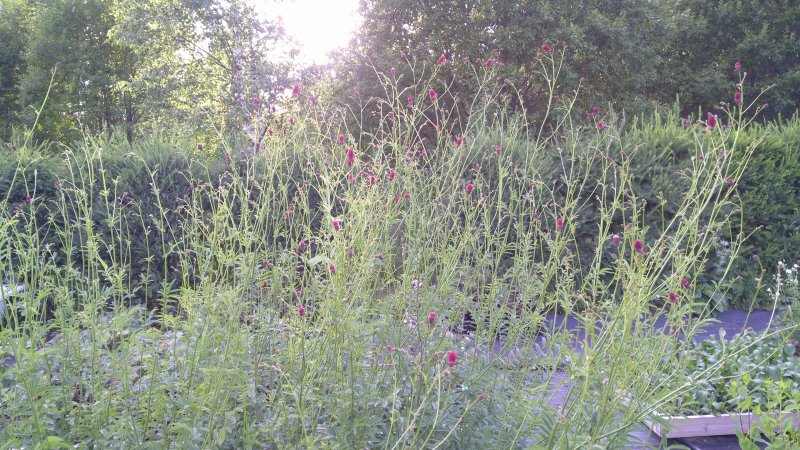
pixel 660 150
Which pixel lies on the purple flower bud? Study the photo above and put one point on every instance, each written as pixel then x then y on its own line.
pixel 431 317
pixel 711 121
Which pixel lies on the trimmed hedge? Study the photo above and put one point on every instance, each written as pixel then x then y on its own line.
pixel 122 193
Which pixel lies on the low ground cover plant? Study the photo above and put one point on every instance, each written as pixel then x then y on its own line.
pixel 750 371
pixel 316 288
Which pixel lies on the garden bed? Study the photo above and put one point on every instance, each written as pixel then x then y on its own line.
pixel 710 425
pixel 747 383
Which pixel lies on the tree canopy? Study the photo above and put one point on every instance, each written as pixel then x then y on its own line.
pixel 184 62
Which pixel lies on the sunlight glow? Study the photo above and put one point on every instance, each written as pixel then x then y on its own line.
pixel 318 26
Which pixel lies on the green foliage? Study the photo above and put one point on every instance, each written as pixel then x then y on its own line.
pixel 217 62
pixel 633 56
pixel 745 374
pixel 202 62
pixel 604 40
pixel 787 292
pixel 14 16
pixel 330 343
pixel 711 35
pixel 771 192
pixel 73 35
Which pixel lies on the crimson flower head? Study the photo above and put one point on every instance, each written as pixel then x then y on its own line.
pixel 737 66
pixel 596 110
pixel 547 49
pixel 301 311
pixel 452 358
pixel 469 188
pixel 295 90
pixel 291 120
pixel 616 240
pixel 28 199
pixel 442 59
pixel 57 185
pixel 638 246
pixel 673 297
pixel 410 100
pixel 391 174
pixel 298 293
pixel 560 223
pixel 337 224
pixel 737 97
pixel 301 246
pixel 341 139
pixel 431 317
pixel 351 156
pixel 432 95
pixel 711 120
pixel 601 126
pixel 331 268
pixel 459 141
pixel 685 283
pixel 731 182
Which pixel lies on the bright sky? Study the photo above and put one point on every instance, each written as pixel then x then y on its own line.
pixel 318 25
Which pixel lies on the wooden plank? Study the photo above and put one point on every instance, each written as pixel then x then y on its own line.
pixel 707 425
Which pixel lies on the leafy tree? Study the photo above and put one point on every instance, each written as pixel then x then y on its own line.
pixel 606 43
pixel 632 55
pixel 73 34
pixel 202 59
pixel 14 18
pixel 712 34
